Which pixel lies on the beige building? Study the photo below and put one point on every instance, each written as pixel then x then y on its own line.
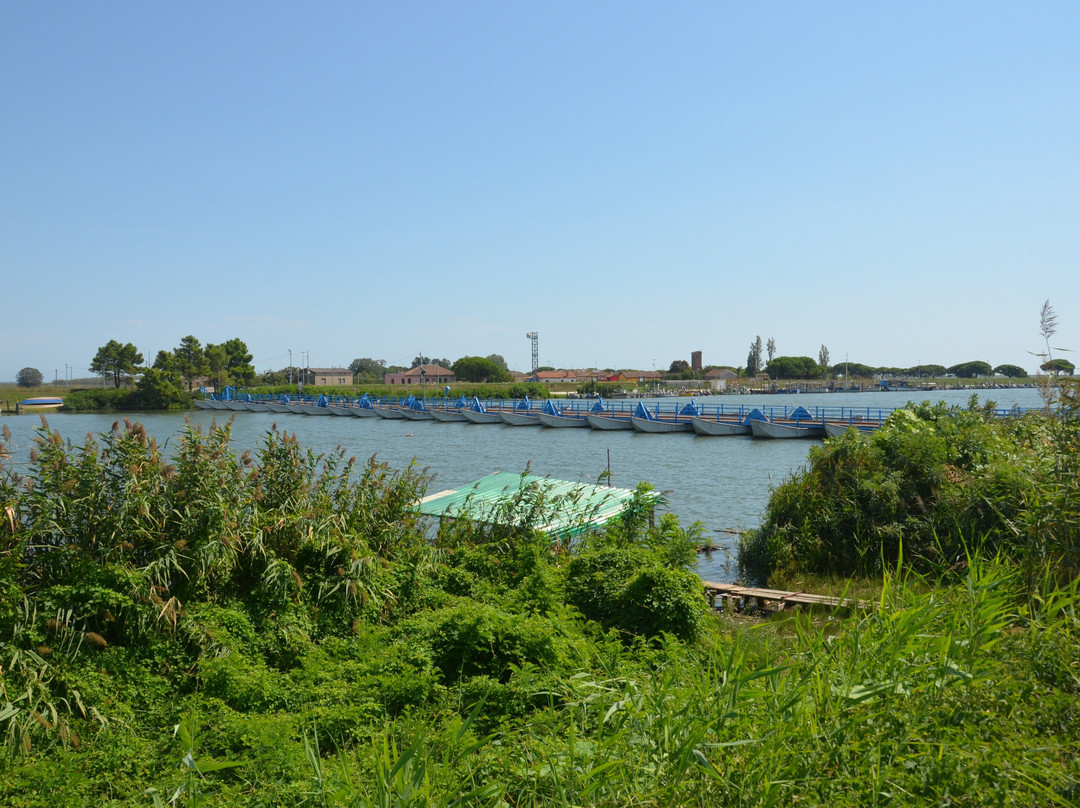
pixel 421 375
pixel 567 376
pixel 326 377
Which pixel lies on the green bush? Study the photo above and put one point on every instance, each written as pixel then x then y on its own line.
pixel 924 486
pixel 139 399
pixel 475 639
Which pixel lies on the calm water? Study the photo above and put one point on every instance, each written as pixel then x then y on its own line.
pixel 724 483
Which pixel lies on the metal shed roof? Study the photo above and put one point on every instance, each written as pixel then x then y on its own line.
pixel 567 509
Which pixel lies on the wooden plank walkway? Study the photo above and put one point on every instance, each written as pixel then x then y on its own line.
pixel 779 599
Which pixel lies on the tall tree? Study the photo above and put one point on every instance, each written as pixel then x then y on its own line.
pixel 116 360
pixel 430 360
pixel 770 348
pixel 753 359
pixel 479 369
pixel 158 388
pixel 28 377
pixel 1058 366
pixel 373 368
pixel 217 362
pixel 238 361
pixel 823 361
pixel 793 367
pixel 190 360
pixel 1011 371
pixel 971 370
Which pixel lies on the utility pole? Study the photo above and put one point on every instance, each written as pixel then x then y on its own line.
pixel 535 337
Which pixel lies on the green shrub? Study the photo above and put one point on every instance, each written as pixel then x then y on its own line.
pixel 923 486
pixel 110 399
pixel 475 639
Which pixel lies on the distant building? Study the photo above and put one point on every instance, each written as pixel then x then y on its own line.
pixel 719 378
pixel 636 376
pixel 567 376
pixel 721 373
pixel 326 377
pixel 421 375
pixel 695 360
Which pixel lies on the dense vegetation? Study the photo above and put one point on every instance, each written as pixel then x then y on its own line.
pixel 277 628
pixel 145 396
pixel 924 488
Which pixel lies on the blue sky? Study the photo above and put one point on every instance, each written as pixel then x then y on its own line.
pixel 636 180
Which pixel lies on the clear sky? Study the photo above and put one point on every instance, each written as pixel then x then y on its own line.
pixel 634 180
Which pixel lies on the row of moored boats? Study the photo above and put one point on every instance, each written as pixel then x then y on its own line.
pixel 759 422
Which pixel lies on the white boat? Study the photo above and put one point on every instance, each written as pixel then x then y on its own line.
pixel 389 412
pixel 477 413
pixel 416 414
pixel 676 421
pixel 203 404
pixel 447 415
pixel 600 420
pixel 560 421
pixel 711 426
pixel 520 418
pixel 834 429
pixel 340 409
pixel 787 429
pixel 661 424
pixel 314 409
pixel 277 406
pixel 482 416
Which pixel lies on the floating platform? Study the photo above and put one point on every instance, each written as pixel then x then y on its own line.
pixel 569 508
pixel 778 600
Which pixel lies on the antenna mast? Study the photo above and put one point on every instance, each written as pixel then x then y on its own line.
pixel 534 336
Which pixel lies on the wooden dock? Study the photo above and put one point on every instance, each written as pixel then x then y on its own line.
pixel 777 599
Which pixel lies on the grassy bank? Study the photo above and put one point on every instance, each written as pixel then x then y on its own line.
pixel 276 628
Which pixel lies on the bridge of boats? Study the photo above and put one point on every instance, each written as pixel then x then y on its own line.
pixel 762 421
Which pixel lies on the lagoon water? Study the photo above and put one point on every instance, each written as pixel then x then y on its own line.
pixel 723 483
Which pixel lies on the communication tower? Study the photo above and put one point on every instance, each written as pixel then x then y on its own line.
pixel 534 336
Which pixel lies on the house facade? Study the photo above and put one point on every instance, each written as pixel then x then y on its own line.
pixel 567 376
pixel 637 376
pixel 421 375
pixel 720 378
pixel 326 377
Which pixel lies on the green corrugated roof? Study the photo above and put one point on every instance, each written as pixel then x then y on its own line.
pixel 564 508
